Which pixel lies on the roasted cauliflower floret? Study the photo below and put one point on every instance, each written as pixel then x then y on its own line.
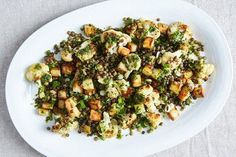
pixel 173 114
pixel 128 120
pixel 173 59
pixel 64 125
pixel 67 56
pixel 179 32
pixel 114 39
pixel 149 28
pixel 86 50
pixel 206 71
pixel 145 90
pixel 154 119
pixel 112 92
pixel 139 108
pixel 36 71
pixel 129 63
pixel 107 128
pixel 151 101
pixel 121 85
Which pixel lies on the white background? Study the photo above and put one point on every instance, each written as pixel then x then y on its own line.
pixel 18 19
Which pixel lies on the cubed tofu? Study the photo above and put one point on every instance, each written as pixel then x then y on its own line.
pixel 198 92
pixel 148 43
pixel 66 56
pixel 62 94
pixel 136 80
pixel 56 72
pixel 88 86
pixel 95 116
pixel 162 27
pixel 132 46
pixel 47 105
pixel 61 104
pixel 123 51
pixel 154 119
pixel 43 112
pixel 122 67
pixel 89 30
pixel 67 69
pixel 95 104
pixel 156 73
pixel 184 93
pixel 70 105
pixel 147 70
pixel 76 87
pixel 175 87
pixel 188 74
pixel 173 114
pixel 86 129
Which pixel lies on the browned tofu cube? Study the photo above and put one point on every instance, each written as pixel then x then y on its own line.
pixel 154 119
pixel 148 43
pixel 173 114
pixel 62 94
pixel 175 87
pixel 198 92
pixel 76 87
pixel 162 27
pixel 123 51
pixel 67 69
pixel 188 74
pixel 70 105
pixel 147 70
pixel 61 104
pixel 89 30
pixel 56 72
pixel 47 105
pixel 184 93
pixel 95 104
pixel 95 116
pixel 133 47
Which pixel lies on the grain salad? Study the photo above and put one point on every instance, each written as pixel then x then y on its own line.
pixel 101 82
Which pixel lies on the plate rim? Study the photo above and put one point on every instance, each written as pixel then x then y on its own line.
pixel 45 152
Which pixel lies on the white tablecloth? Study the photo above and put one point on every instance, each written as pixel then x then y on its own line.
pixel 20 18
